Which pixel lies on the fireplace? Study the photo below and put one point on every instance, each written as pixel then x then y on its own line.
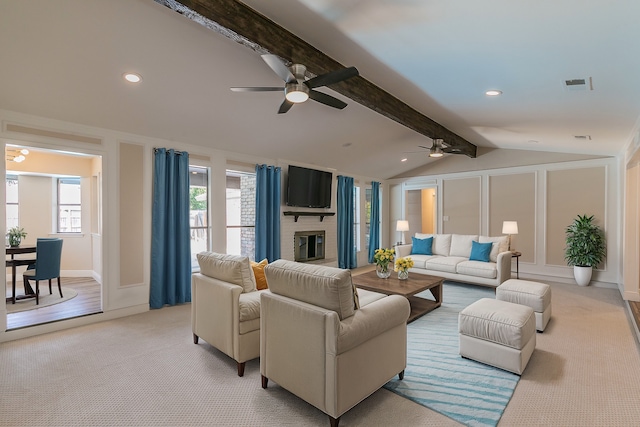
pixel 308 245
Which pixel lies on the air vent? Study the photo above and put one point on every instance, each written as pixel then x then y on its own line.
pixel 578 84
pixel 583 137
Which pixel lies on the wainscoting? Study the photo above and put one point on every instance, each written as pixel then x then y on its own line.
pixel 88 301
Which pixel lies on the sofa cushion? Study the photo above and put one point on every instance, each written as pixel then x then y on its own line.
pixel 420 260
pixel 421 246
pixel 367 297
pixel 258 272
pixel 249 306
pixel 228 268
pixel 480 251
pixel 326 287
pixel 461 245
pixel 500 244
pixel 447 264
pixel 487 270
pixel 441 244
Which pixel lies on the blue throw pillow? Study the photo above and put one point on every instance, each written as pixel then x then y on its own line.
pixel 421 246
pixel 480 251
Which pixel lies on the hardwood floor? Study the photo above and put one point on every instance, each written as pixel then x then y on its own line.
pixel 88 301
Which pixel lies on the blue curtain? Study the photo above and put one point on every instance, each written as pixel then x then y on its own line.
pixel 170 234
pixel 267 213
pixel 374 220
pixel 346 238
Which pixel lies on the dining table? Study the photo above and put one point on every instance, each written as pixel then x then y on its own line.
pixel 14 262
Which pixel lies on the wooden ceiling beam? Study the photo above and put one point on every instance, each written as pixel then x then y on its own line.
pixel 238 22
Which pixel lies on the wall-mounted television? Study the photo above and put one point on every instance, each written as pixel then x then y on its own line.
pixel 308 188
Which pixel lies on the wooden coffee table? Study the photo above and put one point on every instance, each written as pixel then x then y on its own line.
pixel 416 283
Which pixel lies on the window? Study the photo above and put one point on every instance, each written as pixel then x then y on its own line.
pixel 241 216
pixel 69 205
pixel 12 201
pixel 198 211
pixel 356 217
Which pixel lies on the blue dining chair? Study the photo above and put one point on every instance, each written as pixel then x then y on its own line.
pixel 47 266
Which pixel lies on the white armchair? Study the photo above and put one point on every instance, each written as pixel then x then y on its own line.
pixel 317 345
pixel 225 307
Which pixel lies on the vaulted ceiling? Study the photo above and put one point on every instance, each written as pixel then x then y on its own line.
pixel 65 59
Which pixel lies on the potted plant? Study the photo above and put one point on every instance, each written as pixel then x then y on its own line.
pixel 15 235
pixel 585 247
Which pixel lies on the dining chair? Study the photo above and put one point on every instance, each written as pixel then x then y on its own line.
pixel 47 265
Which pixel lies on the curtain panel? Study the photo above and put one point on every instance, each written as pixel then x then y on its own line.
pixel 346 237
pixel 170 232
pixel 267 213
pixel 374 221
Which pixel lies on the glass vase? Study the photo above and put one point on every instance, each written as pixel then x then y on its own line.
pixel 403 274
pixel 383 271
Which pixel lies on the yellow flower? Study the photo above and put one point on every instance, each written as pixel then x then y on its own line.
pixel 403 264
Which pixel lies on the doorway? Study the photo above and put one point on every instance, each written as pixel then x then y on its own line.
pixel 56 194
pixel 421 210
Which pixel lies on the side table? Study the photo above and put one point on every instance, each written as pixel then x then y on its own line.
pixel 516 255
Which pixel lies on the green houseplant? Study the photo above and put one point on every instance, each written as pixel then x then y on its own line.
pixel 15 235
pixel 585 247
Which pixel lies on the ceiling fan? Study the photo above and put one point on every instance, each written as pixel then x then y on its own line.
pixel 439 147
pixel 297 88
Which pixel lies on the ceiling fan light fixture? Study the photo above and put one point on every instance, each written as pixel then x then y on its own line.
pixel 436 148
pixel 296 92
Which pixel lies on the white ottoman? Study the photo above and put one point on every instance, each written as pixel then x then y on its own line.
pixel 498 333
pixel 533 294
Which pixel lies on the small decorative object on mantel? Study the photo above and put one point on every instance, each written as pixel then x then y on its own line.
pixel 383 257
pixel 402 266
pixel 15 236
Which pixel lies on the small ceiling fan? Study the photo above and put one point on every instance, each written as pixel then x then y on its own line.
pixel 439 147
pixel 297 88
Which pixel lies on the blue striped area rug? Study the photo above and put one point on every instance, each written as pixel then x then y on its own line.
pixel 437 376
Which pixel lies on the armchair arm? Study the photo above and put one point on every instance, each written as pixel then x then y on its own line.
pixel 403 250
pixel 368 322
pixel 215 312
pixel 503 266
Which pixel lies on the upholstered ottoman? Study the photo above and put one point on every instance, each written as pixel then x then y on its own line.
pixel 498 333
pixel 533 294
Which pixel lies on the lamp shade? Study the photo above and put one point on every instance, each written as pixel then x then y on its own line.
pixel 510 227
pixel 402 225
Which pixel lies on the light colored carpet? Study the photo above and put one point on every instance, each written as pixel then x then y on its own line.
pixel 144 370
pixel 437 377
pixel 46 299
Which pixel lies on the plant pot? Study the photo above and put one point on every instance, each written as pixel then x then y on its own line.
pixel 14 241
pixel 582 275
pixel 383 272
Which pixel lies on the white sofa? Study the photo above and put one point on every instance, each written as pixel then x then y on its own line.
pixel 450 259
pixel 325 342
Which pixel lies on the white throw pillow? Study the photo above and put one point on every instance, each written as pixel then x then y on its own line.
pixel 500 244
pixel 461 245
pixel 228 268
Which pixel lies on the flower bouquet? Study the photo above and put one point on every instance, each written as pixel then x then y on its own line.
pixel 402 266
pixel 383 257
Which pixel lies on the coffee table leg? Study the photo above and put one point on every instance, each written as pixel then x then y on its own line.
pixel 436 291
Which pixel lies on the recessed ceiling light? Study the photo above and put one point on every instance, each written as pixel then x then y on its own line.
pixel 493 92
pixel 132 77
pixel 404 160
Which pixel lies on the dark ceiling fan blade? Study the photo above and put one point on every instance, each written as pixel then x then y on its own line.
pixel 257 89
pixel 326 99
pixel 285 106
pixel 426 148
pixel 279 68
pixel 332 77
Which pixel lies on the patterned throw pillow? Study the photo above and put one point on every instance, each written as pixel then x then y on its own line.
pixel 421 246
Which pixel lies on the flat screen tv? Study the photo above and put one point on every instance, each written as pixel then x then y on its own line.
pixel 308 188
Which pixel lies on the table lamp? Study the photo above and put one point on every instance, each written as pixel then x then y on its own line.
pixel 510 227
pixel 402 226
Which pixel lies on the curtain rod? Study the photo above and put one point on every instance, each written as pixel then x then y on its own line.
pixel 155 150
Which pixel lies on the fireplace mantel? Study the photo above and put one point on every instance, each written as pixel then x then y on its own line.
pixel 296 214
